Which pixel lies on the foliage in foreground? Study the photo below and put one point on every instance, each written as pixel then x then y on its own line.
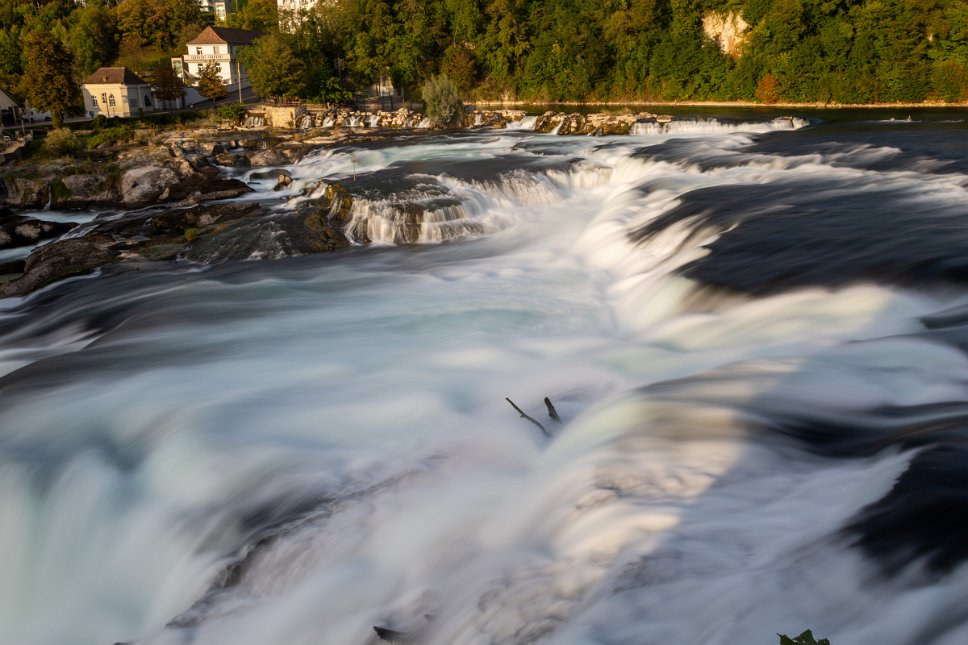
pixel 806 638
pixel 61 142
pixel 443 103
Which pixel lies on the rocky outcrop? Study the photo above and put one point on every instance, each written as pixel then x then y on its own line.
pixel 18 230
pixel 727 30
pixel 59 260
pixel 208 233
pixel 134 179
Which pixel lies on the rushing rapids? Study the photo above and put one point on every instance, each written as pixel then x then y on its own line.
pixel 754 331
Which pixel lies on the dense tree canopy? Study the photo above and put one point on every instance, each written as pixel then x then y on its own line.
pixel 47 81
pixel 847 51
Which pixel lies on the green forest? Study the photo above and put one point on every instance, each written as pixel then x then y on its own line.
pixel 809 51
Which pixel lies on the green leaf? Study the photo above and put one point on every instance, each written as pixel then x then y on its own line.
pixel 806 638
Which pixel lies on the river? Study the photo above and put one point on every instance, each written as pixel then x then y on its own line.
pixel 753 330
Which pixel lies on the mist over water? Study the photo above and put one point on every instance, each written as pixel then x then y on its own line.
pixel 754 332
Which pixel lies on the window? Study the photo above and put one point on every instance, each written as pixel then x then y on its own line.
pixel 111 101
pixel 94 102
pixel 147 101
pixel 198 51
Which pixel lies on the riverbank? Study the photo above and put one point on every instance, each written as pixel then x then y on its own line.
pixel 724 104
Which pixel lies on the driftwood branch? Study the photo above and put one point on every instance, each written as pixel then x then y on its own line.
pixel 551 410
pixel 529 418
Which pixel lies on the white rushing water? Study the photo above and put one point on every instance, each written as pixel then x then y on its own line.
pixel 156 431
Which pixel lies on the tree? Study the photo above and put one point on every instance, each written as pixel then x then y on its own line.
pixel 274 67
pixel 210 83
pixel 47 81
pixel 94 38
pixel 444 105
pixel 157 23
pixel 254 14
pixel 166 84
pixel 766 89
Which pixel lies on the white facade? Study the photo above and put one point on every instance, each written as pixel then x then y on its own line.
pixel 117 100
pixel 117 91
pixel 220 55
pixel 217 46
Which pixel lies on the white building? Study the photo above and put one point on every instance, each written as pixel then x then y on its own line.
pixel 217 46
pixel 217 7
pixel 117 91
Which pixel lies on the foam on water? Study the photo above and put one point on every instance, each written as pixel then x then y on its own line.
pixel 297 451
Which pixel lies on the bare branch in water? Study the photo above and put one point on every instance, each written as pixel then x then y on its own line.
pixel 525 416
pixel 551 410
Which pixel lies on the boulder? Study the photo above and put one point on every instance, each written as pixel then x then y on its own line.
pixel 27 193
pixel 82 190
pixel 232 160
pixel 146 185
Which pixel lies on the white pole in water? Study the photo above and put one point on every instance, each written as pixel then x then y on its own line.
pixel 353 159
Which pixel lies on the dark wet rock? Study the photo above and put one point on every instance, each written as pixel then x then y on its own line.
pixel 232 160
pixel 12 267
pixel 18 230
pixel 201 190
pixel 394 636
pixel 270 174
pixel 59 260
pixel 171 224
pixel 304 232
pixel 270 157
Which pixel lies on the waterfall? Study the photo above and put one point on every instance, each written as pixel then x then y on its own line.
pixel 374 120
pixel 328 122
pixel 527 123
pixel 557 128
pixel 750 330
pixel 424 123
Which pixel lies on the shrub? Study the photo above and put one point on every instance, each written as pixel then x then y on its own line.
pixel 61 142
pixel 233 112
pixel 112 136
pixel 444 105
pixel 767 89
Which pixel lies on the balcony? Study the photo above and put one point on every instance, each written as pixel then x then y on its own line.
pixel 197 58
